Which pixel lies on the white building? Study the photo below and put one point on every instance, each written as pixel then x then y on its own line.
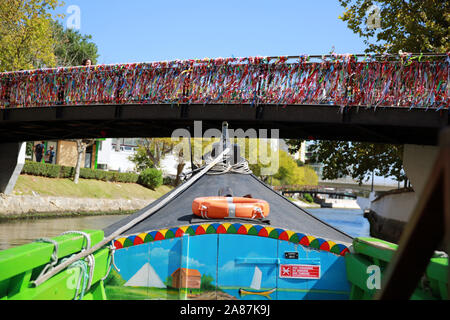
pixel 301 154
pixel 114 155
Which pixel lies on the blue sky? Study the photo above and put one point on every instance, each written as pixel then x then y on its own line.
pixel 146 30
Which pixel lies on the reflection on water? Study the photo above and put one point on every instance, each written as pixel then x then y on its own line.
pixel 21 232
pixel 25 231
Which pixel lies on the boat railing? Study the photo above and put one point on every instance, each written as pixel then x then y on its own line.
pixel 21 266
pixel 369 259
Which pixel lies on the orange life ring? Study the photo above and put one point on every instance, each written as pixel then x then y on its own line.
pixel 230 207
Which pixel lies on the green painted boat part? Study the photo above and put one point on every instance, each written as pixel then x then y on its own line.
pixel 370 252
pixel 20 266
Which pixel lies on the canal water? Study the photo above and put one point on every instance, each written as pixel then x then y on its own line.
pixel 20 232
pixel 350 221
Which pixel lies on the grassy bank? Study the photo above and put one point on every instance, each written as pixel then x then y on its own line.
pixel 86 188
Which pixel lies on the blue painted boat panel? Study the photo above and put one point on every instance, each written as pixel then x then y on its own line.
pixel 234 275
pixel 332 283
pixel 228 266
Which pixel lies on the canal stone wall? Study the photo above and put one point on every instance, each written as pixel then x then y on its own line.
pixel 13 205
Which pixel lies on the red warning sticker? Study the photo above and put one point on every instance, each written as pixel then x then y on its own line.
pixel 300 271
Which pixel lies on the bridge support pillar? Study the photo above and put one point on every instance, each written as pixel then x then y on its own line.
pixel 12 160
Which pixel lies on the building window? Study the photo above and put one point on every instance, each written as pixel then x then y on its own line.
pixel 88 158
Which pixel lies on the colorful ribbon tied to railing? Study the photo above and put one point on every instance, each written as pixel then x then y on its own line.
pixel 339 81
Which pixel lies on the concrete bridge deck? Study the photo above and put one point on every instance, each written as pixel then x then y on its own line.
pixel 386 125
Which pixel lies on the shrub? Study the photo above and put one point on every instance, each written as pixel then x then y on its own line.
pixel 126 177
pixel 31 168
pixel 57 171
pixel 101 175
pixel 52 171
pixel 150 178
pixel 168 181
pixel 132 177
pixel 87 173
pixel 41 169
pixel 66 172
pixel 308 197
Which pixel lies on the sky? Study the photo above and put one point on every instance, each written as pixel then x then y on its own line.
pixel 149 30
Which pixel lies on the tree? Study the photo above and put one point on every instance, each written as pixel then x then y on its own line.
pixel 71 47
pixel 141 159
pixel 180 166
pixel 290 173
pixel 82 145
pixel 358 159
pixel 280 167
pixel 263 161
pixel 29 38
pixel 207 283
pixel 24 34
pixel 411 26
pixel 152 150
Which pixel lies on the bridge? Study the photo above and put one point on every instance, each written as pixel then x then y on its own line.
pixel 314 193
pixel 393 99
pixel 389 98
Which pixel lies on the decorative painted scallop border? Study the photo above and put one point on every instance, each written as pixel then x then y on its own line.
pixel 233 228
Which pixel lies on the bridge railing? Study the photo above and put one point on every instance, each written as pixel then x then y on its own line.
pixel 339 80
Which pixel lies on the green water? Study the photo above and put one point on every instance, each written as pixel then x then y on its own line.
pixel 20 232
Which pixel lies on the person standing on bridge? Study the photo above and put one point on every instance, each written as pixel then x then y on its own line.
pixel 39 151
pixel 87 62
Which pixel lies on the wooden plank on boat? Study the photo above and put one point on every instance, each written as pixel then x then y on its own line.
pixel 375 248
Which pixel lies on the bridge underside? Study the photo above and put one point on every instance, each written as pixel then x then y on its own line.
pixel 384 125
